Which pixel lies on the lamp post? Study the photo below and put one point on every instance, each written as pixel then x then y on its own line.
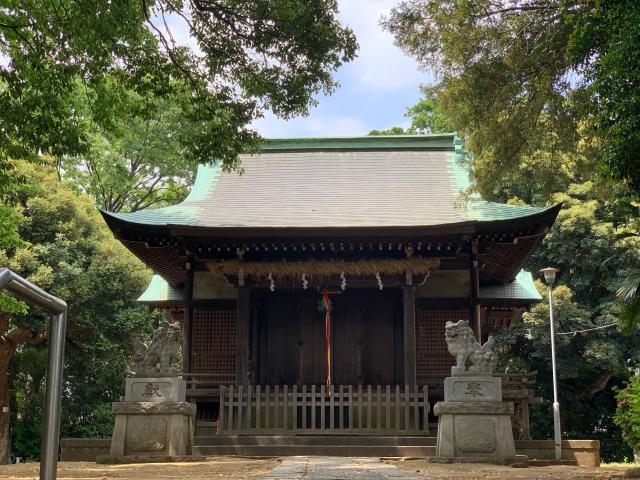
pixel 549 277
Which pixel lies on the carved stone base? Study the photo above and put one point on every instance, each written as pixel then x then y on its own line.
pixel 160 429
pixel 474 429
pixel 474 422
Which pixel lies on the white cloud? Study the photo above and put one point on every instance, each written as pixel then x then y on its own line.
pixel 312 126
pixel 380 64
pixel 375 88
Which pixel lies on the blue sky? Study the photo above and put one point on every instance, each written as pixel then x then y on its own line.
pixel 375 89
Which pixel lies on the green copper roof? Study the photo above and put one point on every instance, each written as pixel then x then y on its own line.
pixel 522 288
pixel 375 181
pixel 159 291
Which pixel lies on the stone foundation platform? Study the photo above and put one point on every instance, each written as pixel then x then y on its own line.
pixel 516 461
pixel 160 429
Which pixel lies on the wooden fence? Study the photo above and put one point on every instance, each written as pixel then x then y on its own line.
pixel 315 408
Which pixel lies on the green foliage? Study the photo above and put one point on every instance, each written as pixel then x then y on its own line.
pixel 389 131
pixel 426 117
pixel 603 46
pixel 251 56
pixel 140 159
pixel 528 76
pixel 545 96
pixel 628 291
pixel 69 251
pixel 627 416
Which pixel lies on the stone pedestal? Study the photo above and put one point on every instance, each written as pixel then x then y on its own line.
pixel 154 422
pixel 474 424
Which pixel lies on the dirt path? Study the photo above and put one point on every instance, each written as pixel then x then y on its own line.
pixel 232 468
pixel 496 472
pixel 337 468
pixel 325 468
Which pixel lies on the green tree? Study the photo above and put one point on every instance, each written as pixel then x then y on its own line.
pixel 627 416
pixel 525 75
pixel 426 117
pixel 592 364
pixel 251 56
pixel 140 159
pixel 67 250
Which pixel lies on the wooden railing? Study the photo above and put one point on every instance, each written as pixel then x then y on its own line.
pixel 206 384
pixel 517 388
pixel 314 408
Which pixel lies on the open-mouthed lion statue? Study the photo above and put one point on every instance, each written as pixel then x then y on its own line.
pixel 462 344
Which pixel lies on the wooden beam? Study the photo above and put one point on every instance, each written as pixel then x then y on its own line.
pixel 409 332
pixel 242 336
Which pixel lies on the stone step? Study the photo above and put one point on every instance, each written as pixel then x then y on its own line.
pixel 318 450
pixel 319 440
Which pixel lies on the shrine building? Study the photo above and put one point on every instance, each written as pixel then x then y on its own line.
pixel 313 288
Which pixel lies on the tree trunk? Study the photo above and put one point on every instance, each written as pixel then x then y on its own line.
pixel 598 385
pixel 9 341
pixel 5 418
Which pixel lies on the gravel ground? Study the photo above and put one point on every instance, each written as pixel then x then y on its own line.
pixel 236 468
pixel 483 472
pixel 232 468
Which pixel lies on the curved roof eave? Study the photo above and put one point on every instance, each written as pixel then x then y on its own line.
pixel 548 213
pixel 117 223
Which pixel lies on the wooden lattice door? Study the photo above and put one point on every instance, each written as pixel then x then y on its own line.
pixel 433 361
pixel 214 343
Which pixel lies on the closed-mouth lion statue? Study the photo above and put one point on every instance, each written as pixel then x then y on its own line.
pixel 462 344
pixel 158 359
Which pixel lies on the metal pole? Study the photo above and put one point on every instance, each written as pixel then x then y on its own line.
pixel 53 396
pixel 23 289
pixel 557 436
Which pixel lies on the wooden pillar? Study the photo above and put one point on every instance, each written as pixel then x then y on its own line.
pixel 188 315
pixel 409 303
pixel 242 335
pixel 474 303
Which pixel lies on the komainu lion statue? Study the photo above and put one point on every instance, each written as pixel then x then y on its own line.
pixel 462 344
pixel 159 358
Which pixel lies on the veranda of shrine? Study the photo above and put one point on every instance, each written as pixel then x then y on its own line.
pixel 386 226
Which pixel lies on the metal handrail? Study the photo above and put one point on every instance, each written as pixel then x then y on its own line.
pixel 23 289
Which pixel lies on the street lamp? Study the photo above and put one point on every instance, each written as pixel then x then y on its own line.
pixel 549 278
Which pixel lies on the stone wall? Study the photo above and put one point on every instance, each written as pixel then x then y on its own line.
pixel 585 452
pixel 83 449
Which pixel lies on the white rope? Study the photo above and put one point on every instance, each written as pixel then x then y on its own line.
pixel 587 329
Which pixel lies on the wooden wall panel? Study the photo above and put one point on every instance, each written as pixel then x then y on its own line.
pixel 433 361
pixel 214 342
